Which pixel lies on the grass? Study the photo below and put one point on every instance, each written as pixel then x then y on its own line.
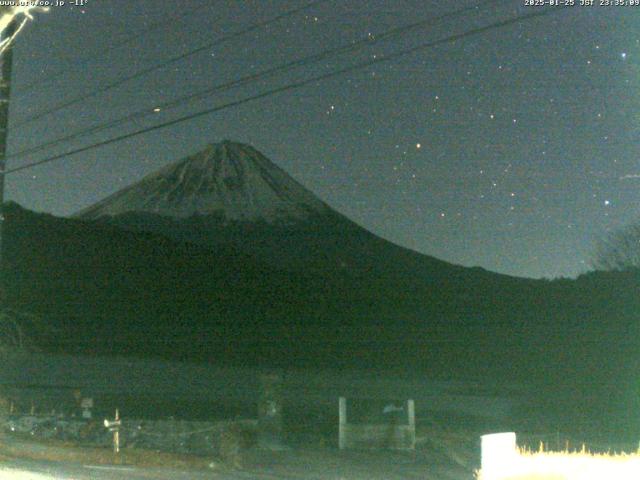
pixel 568 465
pixel 24 447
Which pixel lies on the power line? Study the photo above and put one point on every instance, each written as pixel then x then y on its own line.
pixel 352 46
pixel 295 85
pixel 165 63
pixel 109 48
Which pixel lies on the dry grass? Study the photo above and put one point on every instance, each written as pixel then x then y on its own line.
pixel 566 465
pixel 12 447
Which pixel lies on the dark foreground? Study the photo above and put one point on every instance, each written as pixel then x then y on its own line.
pixel 305 464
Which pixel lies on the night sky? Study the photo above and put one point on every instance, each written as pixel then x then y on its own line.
pixel 515 149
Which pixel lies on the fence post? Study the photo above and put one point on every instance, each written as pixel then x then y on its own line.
pixel 116 434
pixel 114 427
pixel 270 411
pixel 342 423
pixel 411 414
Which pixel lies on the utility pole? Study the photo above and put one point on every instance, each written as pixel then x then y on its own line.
pixel 6 60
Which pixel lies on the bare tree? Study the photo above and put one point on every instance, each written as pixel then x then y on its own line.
pixel 14 328
pixel 11 332
pixel 618 251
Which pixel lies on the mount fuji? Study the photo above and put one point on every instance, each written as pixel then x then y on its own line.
pixel 230 180
pixel 230 195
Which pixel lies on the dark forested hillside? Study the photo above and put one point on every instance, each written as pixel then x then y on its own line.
pixel 105 289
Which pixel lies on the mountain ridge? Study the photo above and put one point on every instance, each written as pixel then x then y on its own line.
pixel 305 234
pixel 228 179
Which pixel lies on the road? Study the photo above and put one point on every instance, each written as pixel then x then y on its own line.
pixel 22 470
pixel 292 466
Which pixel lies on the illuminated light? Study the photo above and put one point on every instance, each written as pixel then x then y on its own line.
pixel 418 146
pixel 499 455
pixel 11 474
pixel 157 109
pixel 8 14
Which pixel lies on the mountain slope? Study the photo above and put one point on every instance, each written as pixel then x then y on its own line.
pixel 228 180
pixel 353 280
pixel 109 290
pixel 230 196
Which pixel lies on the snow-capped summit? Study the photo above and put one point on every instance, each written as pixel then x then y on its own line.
pixel 229 179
